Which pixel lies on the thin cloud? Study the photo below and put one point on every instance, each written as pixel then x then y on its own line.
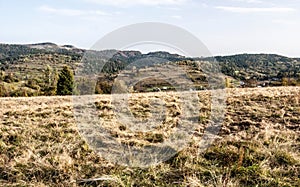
pixel 72 12
pixel 126 3
pixel 249 1
pixel 285 22
pixel 255 10
pixel 176 17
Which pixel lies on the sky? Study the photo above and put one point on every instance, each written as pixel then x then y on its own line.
pixel 225 26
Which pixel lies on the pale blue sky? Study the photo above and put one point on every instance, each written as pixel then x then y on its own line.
pixel 224 26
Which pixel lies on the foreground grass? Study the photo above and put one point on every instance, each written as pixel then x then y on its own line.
pixel 258 145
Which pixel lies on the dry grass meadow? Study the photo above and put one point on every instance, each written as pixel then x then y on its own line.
pixel 258 144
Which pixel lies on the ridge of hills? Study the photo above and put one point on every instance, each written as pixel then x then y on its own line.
pixel 24 67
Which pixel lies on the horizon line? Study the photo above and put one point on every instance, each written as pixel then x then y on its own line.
pixel 146 52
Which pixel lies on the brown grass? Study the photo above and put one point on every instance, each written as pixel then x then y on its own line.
pixel 258 143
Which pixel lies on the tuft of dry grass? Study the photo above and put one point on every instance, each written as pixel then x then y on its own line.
pixel 258 144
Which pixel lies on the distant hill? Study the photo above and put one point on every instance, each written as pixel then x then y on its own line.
pixel 14 52
pixel 24 65
pixel 259 66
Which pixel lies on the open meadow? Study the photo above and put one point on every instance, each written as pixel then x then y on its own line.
pixel 257 145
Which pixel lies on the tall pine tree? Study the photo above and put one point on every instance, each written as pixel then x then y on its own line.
pixel 65 83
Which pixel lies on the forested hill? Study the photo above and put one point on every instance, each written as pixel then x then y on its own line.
pixel 259 63
pixel 31 68
pixel 259 66
pixel 12 52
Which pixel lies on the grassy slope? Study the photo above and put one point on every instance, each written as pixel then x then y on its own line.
pixel 258 144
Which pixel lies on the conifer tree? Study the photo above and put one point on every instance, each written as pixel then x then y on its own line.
pixel 65 83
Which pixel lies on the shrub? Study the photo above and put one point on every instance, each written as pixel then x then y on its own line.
pixel 3 91
pixel 10 78
pixel 33 84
